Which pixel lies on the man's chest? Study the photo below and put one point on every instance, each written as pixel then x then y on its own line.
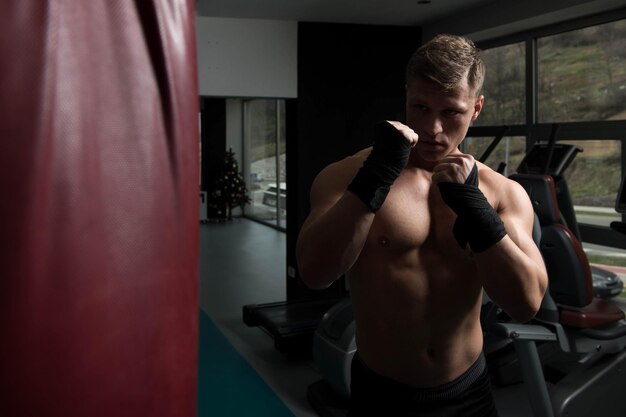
pixel 412 216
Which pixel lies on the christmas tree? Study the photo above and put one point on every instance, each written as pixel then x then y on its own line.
pixel 229 190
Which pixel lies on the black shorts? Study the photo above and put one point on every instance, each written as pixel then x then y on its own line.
pixel 467 396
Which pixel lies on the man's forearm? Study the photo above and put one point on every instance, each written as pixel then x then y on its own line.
pixel 511 278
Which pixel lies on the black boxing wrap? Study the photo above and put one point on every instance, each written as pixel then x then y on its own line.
pixel 384 164
pixel 477 223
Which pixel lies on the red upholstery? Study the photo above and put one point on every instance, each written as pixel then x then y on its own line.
pixel 598 313
pixel 571 280
pixel 98 220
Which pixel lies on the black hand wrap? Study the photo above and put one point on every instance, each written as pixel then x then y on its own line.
pixel 389 156
pixel 477 223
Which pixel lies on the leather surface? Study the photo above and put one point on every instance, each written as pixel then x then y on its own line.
pixel 599 312
pixel 540 189
pixel 570 277
pixel 98 219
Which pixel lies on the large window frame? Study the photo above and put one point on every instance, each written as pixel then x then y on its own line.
pixel 588 130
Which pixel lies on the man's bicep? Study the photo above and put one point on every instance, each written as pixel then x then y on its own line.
pixel 519 218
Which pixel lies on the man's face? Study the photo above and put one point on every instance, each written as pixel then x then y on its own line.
pixel 440 118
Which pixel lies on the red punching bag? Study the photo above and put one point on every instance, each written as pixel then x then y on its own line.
pixel 98 214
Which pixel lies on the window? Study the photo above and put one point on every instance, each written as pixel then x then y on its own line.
pixel 504 86
pixel 505 158
pixel 593 179
pixel 582 74
pixel 264 160
pixel 573 75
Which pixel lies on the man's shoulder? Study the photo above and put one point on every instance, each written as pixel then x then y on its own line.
pixel 493 178
pixel 341 172
pixel 347 165
pixel 505 191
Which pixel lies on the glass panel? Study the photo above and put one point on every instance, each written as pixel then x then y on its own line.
pixel 264 162
pixel 282 171
pixel 593 179
pixel 509 151
pixel 582 74
pixel 505 86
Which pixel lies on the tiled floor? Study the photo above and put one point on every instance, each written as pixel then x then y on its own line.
pixel 243 262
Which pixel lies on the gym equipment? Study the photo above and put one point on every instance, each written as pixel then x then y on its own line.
pixel 553 159
pixel 585 374
pixel 334 346
pixel 290 323
pixel 99 217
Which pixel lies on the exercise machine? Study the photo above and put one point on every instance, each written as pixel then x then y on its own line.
pixel 585 372
pixel 553 159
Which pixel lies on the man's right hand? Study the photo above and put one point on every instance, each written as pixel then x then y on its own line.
pixel 408 133
pixel 389 155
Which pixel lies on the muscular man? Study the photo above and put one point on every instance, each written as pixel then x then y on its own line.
pixel 420 229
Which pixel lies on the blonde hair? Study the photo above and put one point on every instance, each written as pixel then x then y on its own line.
pixel 445 60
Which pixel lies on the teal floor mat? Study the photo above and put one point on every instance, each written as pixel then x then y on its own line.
pixel 227 385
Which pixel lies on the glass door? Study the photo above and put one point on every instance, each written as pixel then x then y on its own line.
pixel 264 160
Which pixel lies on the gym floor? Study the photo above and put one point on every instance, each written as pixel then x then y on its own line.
pixel 240 372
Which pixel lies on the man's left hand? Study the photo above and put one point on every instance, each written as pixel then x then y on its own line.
pixel 453 168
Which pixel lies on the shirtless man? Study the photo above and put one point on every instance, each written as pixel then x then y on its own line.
pixel 420 229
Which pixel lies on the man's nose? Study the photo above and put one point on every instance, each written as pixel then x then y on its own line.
pixel 433 126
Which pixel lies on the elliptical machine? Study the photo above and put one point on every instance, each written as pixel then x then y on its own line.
pixel 553 159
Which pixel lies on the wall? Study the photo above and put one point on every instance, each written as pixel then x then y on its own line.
pixel 246 57
pixel 213 137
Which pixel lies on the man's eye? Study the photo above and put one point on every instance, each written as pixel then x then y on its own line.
pixel 451 112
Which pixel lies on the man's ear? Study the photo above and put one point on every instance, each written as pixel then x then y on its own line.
pixel 478 106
